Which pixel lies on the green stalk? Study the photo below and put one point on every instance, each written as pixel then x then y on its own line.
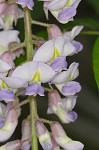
pixel 90 32
pixel 29 50
pixel 33 112
pixel 28 34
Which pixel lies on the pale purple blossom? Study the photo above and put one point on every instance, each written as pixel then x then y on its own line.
pixel 63 10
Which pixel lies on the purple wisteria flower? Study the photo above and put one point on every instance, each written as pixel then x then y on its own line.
pixel 30 76
pixel 63 10
pixel 24 3
pixel 34 89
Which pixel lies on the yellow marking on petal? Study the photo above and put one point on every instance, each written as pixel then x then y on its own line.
pixel 36 77
pixel 71 76
pixel 68 3
pixel 4 85
pixel 56 54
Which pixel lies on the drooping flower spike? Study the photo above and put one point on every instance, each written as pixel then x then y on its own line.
pixel 24 3
pixel 63 10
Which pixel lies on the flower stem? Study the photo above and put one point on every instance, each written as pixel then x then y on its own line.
pixel 33 112
pixel 46 121
pixel 90 32
pixel 41 23
pixel 28 34
pixel 29 49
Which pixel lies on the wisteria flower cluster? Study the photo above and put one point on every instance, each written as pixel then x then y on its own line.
pixel 48 65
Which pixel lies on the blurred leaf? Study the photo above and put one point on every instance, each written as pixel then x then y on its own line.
pixel 87 22
pixel 37 12
pixel 96 61
pixel 43 34
pixel 95 4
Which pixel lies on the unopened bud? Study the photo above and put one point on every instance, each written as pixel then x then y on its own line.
pixel 55 146
pixel 26 133
pixel 10 124
pixel 54 31
pixel 54 100
pixel 7 57
pixel 63 140
pixel 14 145
pixel 43 135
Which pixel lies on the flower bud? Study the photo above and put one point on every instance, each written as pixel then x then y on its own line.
pixel 63 140
pixel 54 100
pixel 7 57
pixel 56 106
pixel 26 133
pixel 10 125
pixel 55 146
pixel 14 145
pixel 54 32
pixel 43 135
pixel 10 105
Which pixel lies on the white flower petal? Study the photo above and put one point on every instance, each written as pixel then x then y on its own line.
pixel 68 49
pixel 15 82
pixel 59 44
pixel 45 52
pixel 4 67
pixel 75 31
pixel 7 37
pixel 26 71
pixel 61 77
pixel 46 72
pixel 57 4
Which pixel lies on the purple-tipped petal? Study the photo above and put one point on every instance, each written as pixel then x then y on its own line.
pixel 78 46
pixel 6 95
pixel 40 90
pixel 71 88
pixel 59 64
pixel 67 14
pixel 34 89
pixel 72 116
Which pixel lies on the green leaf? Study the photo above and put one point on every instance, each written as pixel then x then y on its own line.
pixel 96 61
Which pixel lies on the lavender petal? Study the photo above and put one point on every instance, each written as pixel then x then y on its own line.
pixel 67 14
pixel 59 64
pixel 6 95
pixel 71 88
